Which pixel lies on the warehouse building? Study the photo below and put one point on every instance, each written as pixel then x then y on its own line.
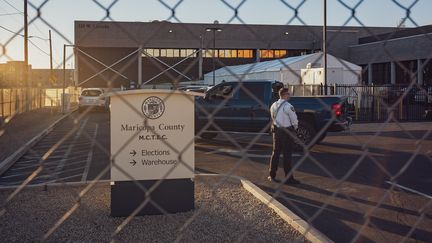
pixel 116 54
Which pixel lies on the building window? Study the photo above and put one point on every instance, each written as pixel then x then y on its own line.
pixel 189 52
pixel 208 53
pixel 280 53
pixel 233 53
pixel 244 54
pixel 176 53
pixel 148 52
pixel 272 53
pixel 227 53
pixel 170 53
pixel 266 53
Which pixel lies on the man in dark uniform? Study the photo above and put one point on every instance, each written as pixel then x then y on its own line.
pixel 285 123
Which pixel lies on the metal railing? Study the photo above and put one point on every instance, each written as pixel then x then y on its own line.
pixel 375 103
pixel 13 101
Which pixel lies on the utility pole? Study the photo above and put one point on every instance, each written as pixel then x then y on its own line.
pixel 51 59
pixel 64 79
pixel 325 46
pixel 26 73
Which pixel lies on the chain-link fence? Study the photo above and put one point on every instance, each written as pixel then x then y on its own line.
pixel 183 104
pixel 13 100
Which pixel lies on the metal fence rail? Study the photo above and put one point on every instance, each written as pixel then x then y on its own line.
pixel 370 206
pixel 376 103
pixel 13 101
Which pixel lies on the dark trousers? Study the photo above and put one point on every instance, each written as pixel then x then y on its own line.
pixel 282 142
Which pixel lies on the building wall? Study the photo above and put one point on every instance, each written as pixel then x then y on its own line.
pixel 109 42
pixel 404 52
pixel 93 63
pixel 47 79
pixel 406 48
pixel 12 74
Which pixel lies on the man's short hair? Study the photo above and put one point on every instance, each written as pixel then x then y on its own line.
pixel 283 91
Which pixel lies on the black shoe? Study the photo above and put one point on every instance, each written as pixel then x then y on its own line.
pixel 272 179
pixel 292 181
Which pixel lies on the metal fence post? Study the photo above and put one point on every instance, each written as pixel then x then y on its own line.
pixel 378 109
pixel 400 110
pixel 10 102
pixel 2 102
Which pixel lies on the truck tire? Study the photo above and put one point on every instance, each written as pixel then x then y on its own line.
pixel 208 135
pixel 305 133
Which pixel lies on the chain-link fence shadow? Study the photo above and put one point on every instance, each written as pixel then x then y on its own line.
pixel 177 114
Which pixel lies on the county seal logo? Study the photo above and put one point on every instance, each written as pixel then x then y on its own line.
pixel 153 107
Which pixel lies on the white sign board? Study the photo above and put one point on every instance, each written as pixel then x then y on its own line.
pixel 152 135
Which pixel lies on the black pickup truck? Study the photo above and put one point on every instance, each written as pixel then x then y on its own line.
pixel 244 107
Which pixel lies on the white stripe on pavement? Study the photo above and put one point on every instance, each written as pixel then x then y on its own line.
pixel 410 190
pixel 240 153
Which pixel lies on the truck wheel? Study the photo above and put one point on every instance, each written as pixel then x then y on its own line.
pixel 305 133
pixel 208 135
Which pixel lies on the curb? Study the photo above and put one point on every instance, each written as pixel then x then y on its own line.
pixel 9 161
pixel 292 219
pixel 306 229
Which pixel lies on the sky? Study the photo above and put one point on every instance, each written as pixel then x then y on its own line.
pixel 59 16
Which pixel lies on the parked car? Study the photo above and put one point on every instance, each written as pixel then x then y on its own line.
pixel 92 98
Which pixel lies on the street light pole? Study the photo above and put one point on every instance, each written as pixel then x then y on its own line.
pixel 214 29
pixel 214 56
pixel 51 59
pixel 325 46
pixel 64 78
pixel 26 63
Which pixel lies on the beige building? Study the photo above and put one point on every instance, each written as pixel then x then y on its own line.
pixel 12 75
pixel 43 78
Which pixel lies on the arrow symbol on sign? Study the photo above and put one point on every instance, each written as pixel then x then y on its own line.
pixel 133 162
pixel 133 152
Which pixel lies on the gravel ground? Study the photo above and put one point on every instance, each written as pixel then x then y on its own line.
pixel 225 214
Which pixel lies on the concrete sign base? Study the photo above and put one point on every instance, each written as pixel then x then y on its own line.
pixel 170 196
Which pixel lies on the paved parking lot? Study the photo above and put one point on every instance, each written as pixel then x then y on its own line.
pixel 358 181
pixel 362 185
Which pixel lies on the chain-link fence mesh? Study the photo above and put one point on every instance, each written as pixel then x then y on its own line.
pixel 368 183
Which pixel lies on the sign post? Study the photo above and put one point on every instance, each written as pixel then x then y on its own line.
pixel 152 150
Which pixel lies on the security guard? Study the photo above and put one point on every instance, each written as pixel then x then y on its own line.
pixel 285 123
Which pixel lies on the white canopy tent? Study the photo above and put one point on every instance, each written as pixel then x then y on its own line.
pixel 289 70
